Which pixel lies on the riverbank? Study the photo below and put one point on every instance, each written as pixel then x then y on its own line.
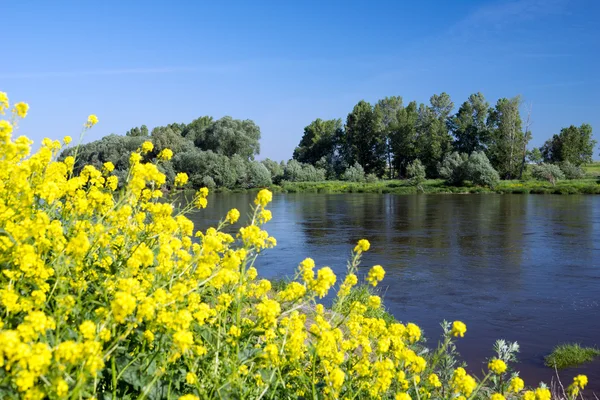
pixel 438 186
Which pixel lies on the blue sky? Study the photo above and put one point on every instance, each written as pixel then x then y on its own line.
pixel 283 64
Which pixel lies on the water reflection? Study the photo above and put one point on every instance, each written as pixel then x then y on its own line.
pixel 518 267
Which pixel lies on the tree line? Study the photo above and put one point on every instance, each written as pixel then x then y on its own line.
pixel 384 139
pixel 387 140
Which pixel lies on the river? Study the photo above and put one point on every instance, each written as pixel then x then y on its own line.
pixel 523 268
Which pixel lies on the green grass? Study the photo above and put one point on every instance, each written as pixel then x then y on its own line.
pixel 570 355
pixel 592 169
pixel 433 186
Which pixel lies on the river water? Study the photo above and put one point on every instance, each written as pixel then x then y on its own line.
pixel 523 268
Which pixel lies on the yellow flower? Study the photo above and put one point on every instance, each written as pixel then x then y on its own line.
pixel 109 166
pixel 516 385
pixel 189 397
pixel 497 396
pixel 542 394
pixel 5 130
pixel 67 139
pixel 165 154
pixel 529 395
pixel 191 378
pixel 497 366
pixel 235 331
pixel 376 275
pixel 21 109
pixel 4 104
pixel 362 246
pixel 232 216
pixel 263 198
pixel 91 121
pixel 402 396
pixel 181 179
pixel 581 381
pixel 62 388
pixel 434 381
pixel 458 329
pixel 374 301
pixel 413 332
pixel 147 147
pixel 88 330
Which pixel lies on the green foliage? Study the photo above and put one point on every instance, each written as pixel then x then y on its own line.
pixel 570 355
pixel 469 125
pixel 458 168
pixel 371 178
pixel 451 169
pixel 479 171
pixel 573 144
pixel 535 156
pixel 298 172
pixel 355 173
pixel 434 139
pixel 257 175
pixel 141 131
pixel 386 114
pixel 416 173
pixel 571 171
pixel 275 168
pixel 362 141
pixel 547 172
pixel 404 138
pixel 507 146
pixel 319 141
pixel 231 137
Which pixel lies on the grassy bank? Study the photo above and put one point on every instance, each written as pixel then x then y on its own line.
pixel 432 186
pixel 571 355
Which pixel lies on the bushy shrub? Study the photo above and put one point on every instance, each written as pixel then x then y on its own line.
pixel 547 172
pixel 457 168
pixel 208 182
pixel 415 171
pixel 451 169
pixel 479 171
pixel 371 178
pixel 572 171
pixel 257 175
pixel 275 168
pixel 299 172
pixel 355 173
pixel 114 299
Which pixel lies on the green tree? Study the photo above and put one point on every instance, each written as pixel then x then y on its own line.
pixel 469 125
pixel 433 136
pixel 572 144
pixel 164 137
pixel 362 141
pixel 318 141
pixel 141 131
pixel 275 168
pixel 507 139
pixel 404 138
pixel 196 130
pixel 535 156
pixel 230 136
pixel 386 114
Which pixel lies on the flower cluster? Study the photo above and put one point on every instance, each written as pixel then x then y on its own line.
pixel 117 295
